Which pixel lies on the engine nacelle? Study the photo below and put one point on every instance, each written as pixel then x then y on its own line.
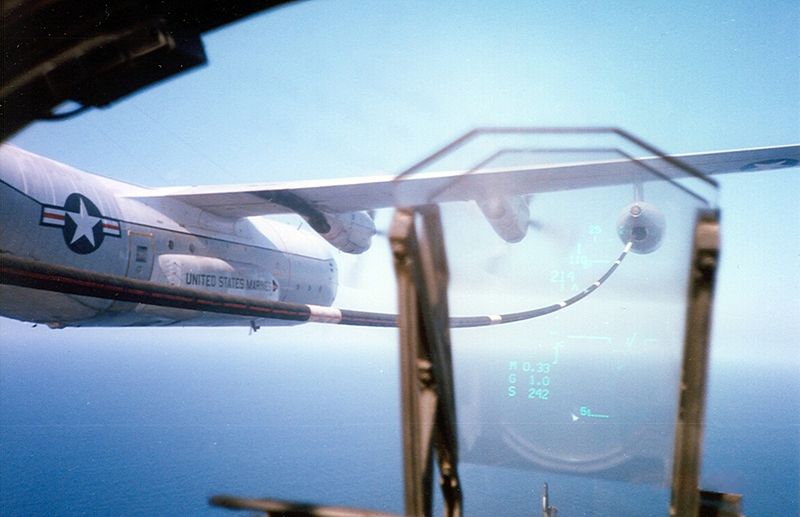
pixel 508 215
pixel 350 232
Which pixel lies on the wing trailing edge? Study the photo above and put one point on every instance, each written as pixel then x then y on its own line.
pixel 349 195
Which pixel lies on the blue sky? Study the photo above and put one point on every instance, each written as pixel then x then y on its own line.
pixel 335 89
pixel 332 89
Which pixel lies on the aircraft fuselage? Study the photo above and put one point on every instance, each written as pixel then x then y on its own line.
pixel 59 215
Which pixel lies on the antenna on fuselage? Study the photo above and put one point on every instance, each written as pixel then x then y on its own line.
pixel 547 510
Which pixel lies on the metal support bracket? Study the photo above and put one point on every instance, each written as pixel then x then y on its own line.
pixel 427 393
pixel 689 430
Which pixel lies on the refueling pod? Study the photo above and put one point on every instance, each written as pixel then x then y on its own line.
pixel 643 225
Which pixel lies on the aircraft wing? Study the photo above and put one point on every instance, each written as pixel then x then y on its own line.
pixel 369 193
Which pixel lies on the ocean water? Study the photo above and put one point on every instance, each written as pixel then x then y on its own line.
pixel 155 428
pixel 154 424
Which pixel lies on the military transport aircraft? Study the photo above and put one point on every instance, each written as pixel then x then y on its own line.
pixel 79 249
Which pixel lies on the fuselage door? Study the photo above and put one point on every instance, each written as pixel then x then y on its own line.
pixel 140 255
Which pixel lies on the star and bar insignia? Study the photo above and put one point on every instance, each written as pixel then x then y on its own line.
pixel 775 163
pixel 83 226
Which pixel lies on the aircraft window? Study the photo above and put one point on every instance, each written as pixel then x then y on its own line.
pixel 141 253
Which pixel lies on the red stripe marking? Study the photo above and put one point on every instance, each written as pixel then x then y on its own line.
pixel 155 295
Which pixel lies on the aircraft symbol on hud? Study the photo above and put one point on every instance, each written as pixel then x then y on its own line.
pixel 83 226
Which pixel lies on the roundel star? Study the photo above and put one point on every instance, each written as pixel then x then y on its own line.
pixel 84 224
